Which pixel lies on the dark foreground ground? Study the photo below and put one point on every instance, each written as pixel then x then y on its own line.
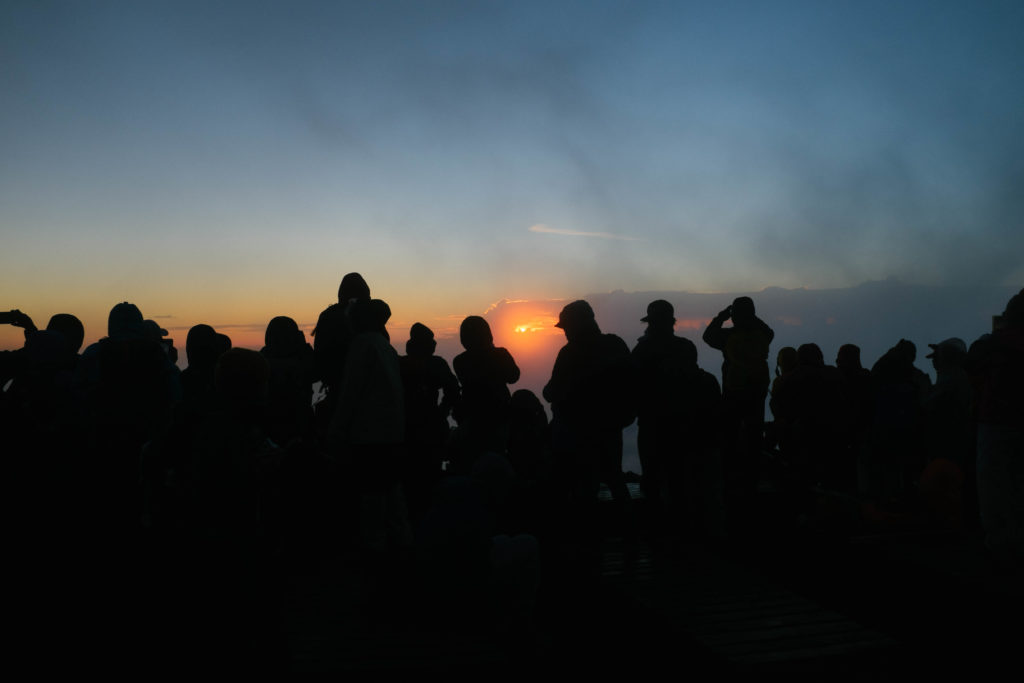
pixel 859 605
pixel 795 595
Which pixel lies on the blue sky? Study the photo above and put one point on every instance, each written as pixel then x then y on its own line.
pixel 228 161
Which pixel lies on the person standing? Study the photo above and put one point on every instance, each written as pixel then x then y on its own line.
pixel 1000 465
pixel 745 379
pixel 592 399
pixel 659 358
pixel 484 371
pixel 678 407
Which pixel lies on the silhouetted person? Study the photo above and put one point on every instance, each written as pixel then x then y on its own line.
pixel 290 404
pixel 949 434
pixel 1000 468
pixel 530 455
pixel 484 371
pixel 857 387
pixel 128 389
pixel 745 379
pixel 812 403
pixel 695 479
pixel 431 389
pixel 201 351
pixel 679 408
pixel 331 338
pixel 223 344
pixel 529 440
pixel 895 454
pixel 159 335
pixel 41 418
pixel 660 359
pixel 69 327
pixel 132 387
pixel 368 429
pixel 778 433
pixel 43 449
pixel 591 392
pixel 42 370
pixel 785 363
pixel 40 402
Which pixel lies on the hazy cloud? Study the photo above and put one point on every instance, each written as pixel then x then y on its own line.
pixel 541 228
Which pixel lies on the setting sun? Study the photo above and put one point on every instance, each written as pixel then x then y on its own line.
pixel 536 325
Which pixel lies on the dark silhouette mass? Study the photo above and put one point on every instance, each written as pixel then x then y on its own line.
pixel 484 371
pixel 745 379
pixel 337 506
pixel 591 392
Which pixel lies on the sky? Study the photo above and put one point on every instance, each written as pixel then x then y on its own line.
pixel 227 162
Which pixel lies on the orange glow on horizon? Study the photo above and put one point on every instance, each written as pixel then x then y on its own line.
pixel 527 335
pixel 531 327
pixel 526 328
pixel 691 323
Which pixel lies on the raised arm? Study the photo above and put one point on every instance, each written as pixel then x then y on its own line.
pixel 714 336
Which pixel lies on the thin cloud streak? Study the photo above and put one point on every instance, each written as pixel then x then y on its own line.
pixel 541 228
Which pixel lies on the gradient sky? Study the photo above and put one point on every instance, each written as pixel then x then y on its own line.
pixel 225 162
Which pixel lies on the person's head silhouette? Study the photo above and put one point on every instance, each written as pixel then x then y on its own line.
pixel 69 327
pixel 353 286
pixel 742 311
pixel 475 333
pixel 421 341
pixel 660 315
pixel 577 321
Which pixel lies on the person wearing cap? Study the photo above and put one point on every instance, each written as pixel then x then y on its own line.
pixel 951 392
pixel 947 433
pixel 677 405
pixel 158 334
pixel 591 394
pixel 659 356
pixel 745 380
pixel 126 356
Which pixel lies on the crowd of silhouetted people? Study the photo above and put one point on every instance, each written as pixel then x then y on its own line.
pixel 172 501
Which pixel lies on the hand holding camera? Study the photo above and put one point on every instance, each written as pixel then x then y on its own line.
pixel 17 319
